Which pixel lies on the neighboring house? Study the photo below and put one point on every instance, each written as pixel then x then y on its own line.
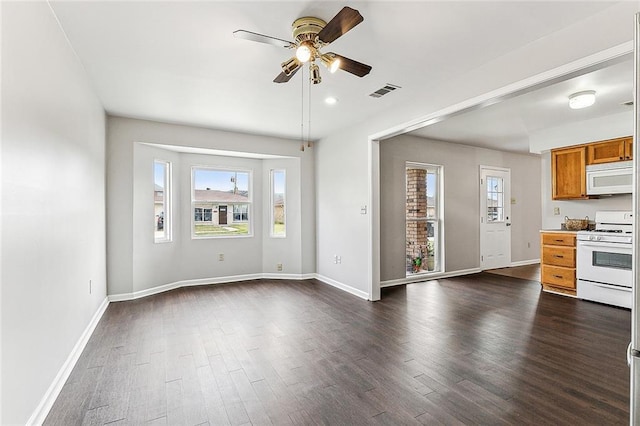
pixel 220 207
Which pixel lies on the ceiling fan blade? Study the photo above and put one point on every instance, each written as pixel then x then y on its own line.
pixel 283 78
pixel 353 67
pixel 344 21
pixel 261 38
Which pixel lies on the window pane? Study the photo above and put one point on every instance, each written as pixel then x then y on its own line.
pixel 495 199
pixel 221 202
pixel 431 183
pixel 278 183
pixel 161 200
pixel 422 223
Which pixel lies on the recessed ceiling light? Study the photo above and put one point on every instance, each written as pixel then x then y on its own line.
pixel 331 100
pixel 582 99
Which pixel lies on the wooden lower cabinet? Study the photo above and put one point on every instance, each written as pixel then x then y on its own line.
pixel 558 262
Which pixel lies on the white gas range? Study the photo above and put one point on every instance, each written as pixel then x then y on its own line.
pixel 604 262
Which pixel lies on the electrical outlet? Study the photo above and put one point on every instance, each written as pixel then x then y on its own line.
pixel 528 245
pixel 335 259
pixel 556 211
pixel 221 257
pixel 338 259
pixel 279 267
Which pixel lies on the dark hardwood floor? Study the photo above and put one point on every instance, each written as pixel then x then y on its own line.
pixel 481 349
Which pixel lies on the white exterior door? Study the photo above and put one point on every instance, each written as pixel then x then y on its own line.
pixel 495 217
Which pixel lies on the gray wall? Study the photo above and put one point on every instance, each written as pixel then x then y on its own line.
pixel 461 165
pixel 53 205
pixel 575 209
pixel 136 263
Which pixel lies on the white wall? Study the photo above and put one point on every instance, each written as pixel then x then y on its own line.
pixel 575 209
pixel 461 180
pixel 342 159
pixel 53 205
pixel 598 129
pixel 136 263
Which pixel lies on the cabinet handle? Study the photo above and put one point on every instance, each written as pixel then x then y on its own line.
pixel 621 158
pixel 559 241
pixel 558 276
pixel 558 255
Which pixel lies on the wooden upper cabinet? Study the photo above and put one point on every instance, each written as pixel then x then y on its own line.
pixel 628 149
pixel 568 176
pixel 610 151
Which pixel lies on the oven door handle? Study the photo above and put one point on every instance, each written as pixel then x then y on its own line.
pixel 622 247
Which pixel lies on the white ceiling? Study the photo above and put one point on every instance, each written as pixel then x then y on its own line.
pixel 178 62
pixel 509 124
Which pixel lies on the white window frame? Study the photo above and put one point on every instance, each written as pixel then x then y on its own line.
pixel 438 220
pixel 272 219
pixel 229 205
pixel 166 199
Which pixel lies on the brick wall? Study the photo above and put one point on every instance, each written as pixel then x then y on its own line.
pixel 416 207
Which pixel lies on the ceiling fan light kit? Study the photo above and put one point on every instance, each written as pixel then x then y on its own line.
pixel 291 66
pixel 311 34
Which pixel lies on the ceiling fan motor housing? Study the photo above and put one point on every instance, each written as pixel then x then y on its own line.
pixel 306 29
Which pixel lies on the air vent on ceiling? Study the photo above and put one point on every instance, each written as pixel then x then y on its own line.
pixel 630 103
pixel 384 90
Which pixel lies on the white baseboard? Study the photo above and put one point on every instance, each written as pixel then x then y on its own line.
pixel 525 262
pixel 206 281
pixel 337 284
pixel 429 277
pixel 42 410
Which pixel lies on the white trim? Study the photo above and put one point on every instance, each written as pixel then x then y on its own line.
pixel 281 276
pixel 205 281
pixel 337 284
pixel 524 262
pixel 42 410
pixel 429 277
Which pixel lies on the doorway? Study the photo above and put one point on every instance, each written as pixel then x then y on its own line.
pixel 222 215
pixel 495 217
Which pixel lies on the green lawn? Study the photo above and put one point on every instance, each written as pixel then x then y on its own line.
pixel 278 229
pixel 203 230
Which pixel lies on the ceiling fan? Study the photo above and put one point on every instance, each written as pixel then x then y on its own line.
pixel 311 35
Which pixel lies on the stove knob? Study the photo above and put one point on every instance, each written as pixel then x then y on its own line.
pixel 630 240
pixel 598 238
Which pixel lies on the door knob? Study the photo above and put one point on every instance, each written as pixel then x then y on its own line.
pixel 508 224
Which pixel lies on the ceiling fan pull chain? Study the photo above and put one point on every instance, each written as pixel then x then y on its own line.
pixel 309 117
pixel 302 111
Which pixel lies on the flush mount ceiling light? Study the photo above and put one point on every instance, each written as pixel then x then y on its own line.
pixel 331 100
pixel 582 99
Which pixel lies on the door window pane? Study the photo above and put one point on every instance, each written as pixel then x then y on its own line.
pixel 495 199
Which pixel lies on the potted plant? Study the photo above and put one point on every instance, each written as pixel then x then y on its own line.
pixel 417 263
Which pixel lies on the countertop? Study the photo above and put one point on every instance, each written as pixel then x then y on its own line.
pixel 564 231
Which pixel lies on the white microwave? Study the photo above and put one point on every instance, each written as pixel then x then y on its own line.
pixel 610 178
